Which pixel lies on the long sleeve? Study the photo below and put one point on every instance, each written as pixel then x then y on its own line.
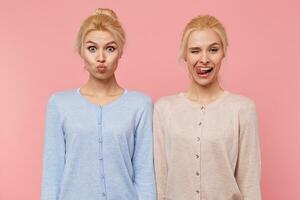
pixel 54 153
pixel 160 161
pixel 144 178
pixel 249 165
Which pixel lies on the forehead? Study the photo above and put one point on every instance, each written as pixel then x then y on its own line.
pixel 203 38
pixel 99 37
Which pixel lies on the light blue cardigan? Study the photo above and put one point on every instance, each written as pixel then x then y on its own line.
pixel 97 152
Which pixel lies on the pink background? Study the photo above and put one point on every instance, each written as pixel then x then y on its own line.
pixel 37 58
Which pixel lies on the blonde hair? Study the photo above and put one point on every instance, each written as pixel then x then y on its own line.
pixel 103 19
pixel 199 23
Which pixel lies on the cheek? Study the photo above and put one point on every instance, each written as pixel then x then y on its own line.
pixel 112 60
pixel 88 58
pixel 217 60
pixel 191 61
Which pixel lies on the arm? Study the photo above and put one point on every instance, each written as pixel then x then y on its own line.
pixel 160 161
pixel 54 153
pixel 249 164
pixel 144 179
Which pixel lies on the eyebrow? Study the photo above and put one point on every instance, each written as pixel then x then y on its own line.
pixel 112 42
pixel 215 43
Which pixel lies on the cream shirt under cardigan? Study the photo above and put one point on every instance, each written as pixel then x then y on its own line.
pixel 206 152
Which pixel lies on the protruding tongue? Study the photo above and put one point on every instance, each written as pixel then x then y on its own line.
pixel 200 71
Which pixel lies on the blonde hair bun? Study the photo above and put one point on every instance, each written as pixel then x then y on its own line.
pixel 107 12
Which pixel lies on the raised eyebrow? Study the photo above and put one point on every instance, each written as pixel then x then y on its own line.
pixel 109 43
pixel 91 42
pixel 215 43
pixel 112 42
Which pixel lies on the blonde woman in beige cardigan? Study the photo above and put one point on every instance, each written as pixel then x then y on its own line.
pixel 206 142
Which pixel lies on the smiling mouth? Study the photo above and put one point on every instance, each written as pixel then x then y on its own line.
pixel 204 70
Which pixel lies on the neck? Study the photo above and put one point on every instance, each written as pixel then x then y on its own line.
pixel 204 94
pixel 98 87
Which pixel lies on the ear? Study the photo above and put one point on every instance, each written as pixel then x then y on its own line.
pixel 184 58
pixel 120 54
pixel 81 53
pixel 224 55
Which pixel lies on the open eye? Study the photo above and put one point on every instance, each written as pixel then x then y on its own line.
pixel 92 49
pixel 214 49
pixel 110 48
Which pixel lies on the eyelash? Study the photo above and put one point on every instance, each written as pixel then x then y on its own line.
pixel 195 51
pixel 112 48
pixel 213 50
pixel 90 48
pixel 109 48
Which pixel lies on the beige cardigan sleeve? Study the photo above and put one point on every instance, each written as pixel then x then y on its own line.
pixel 248 168
pixel 160 161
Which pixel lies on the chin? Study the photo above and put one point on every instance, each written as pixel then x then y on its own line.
pixel 204 82
pixel 103 76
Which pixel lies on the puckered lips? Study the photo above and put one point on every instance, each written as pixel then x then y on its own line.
pixel 203 72
pixel 101 68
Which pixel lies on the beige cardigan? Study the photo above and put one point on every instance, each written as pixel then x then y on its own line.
pixel 208 152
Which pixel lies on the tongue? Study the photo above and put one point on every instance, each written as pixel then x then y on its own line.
pixel 202 72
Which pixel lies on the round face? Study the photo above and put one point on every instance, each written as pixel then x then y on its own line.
pixel 204 55
pixel 100 54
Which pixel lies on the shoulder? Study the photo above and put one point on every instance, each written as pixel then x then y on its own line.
pixel 62 97
pixel 244 106
pixel 168 101
pixel 241 102
pixel 166 104
pixel 138 99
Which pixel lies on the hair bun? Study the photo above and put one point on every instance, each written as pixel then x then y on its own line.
pixel 107 12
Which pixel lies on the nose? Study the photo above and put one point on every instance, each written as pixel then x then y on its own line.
pixel 101 57
pixel 204 59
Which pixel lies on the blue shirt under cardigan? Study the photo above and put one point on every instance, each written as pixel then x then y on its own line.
pixel 97 152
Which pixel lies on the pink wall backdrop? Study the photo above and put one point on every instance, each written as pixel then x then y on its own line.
pixel 37 58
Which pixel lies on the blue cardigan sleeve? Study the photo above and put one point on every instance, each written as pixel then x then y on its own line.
pixel 54 152
pixel 144 178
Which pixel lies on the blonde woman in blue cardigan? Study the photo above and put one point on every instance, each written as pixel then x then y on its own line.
pixel 98 141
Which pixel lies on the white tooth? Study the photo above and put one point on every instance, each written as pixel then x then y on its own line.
pixel 205 68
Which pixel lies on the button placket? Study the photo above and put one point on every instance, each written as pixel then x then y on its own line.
pixel 200 121
pixel 200 124
pixel 101 157
pixel 100 134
